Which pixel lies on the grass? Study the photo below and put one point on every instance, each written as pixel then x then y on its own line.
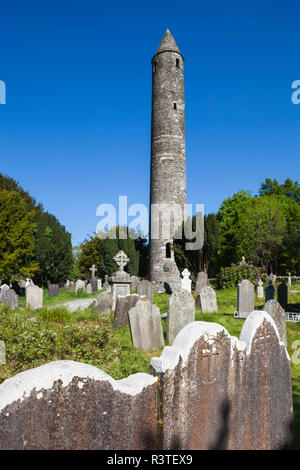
pixel 36 337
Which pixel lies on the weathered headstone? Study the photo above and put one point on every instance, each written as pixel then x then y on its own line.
pixel 145 288
pixel 106 284
pixel 270 291
pixel 181 311
pixel 260 289
pixel 103 304
pixel 202 281
pixel 3 289
pixel 99 284
pixel 186 282
pixel 282 295
pixel 10 298
pixel 80 285
pixel 145 326
pixel 53 290
pixel 245 298
pixel 275 310
pixel 207 300
pixel 124 304
pixel 134 283
pixel 2 352
pixel 88 289
pixel 121 280
pixel 34 297
pixel 94 284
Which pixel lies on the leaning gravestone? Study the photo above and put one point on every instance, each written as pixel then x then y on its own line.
pixel 275 310
pixel 53 290
pixel 201 281
pixel 103 303
pixel 260 290
pixel 245 299
pixel 145 326
pixel 270 291
pixel 181 311
pixel 34 297
pixel 145 288
pixel 89 289
pixel 124 304
pixel 10 298
pixel 207 300
pixel 282 295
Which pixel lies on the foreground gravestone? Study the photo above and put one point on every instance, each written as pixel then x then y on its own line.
pixel 282 295
pixel 145 326
pixel 80 285
pixel 71 405
pixel 181 311
pixel 260 289
pixel 245 298
pixel 145 288
pixel 2 352
pixel 9 297
pixel 186 282
pixel 218 392
pixel 104 304
pixel 53 290
pixel 201 281
pixel 207 300
pixel 34 297
pixel 124 304
pixel 207 391
pixel 275 311
pixel 270 291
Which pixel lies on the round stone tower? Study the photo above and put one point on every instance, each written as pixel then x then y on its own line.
pixel 168 168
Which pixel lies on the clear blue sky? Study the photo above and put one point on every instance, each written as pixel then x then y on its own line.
pixel 75 131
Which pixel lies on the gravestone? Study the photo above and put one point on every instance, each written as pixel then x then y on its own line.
pixel 260 289
pixel 181 311
pixel 121 280
pixel 245 298
pixel 270 291
pixel 34 297
pixel 80 285
pixel 53 290
pixel 186 282
pixel 93 269
pixel 145 288
pixel 99 284
pixel 94 284
pixel 282 295
pixel 3 289
pixel 272 278
pixel 134 283
pixel 72 285
pixel 2 352
pixel 106 284
pixel 124 304
pixel 202 281
pixel 103 304
pixel 88 289
pixel 145 326
pixel 10 298
pixel 22 283
pixel 289 283
pixel 275 310
pixel 207 300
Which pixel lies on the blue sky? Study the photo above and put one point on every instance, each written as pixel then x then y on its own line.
pixel 75 131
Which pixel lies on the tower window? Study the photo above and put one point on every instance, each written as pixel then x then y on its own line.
pixel 168 250
pixel 177 63
pixel 175 105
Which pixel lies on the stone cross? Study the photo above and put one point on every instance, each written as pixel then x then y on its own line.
pixel 121 259
pixel 93 269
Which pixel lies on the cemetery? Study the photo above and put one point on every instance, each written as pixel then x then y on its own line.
pixel 140 342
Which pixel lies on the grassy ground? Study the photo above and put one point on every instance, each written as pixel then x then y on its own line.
pixel 34 338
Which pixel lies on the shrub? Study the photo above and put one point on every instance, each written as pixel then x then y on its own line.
pixel 55 314
pixel 231 276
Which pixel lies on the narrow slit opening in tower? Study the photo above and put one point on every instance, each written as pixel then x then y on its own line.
pixel 168 250
pixel 154 66
pixel 175 105
pixel 177 63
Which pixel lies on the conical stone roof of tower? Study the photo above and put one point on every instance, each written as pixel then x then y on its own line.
pixel 168 44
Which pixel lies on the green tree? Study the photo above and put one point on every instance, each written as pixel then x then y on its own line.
pixel 289 189
pixel 16 237
pixel 53 250
pixel 9 184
